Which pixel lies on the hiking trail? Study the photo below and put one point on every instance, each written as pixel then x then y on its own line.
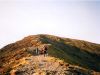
pixel 40 65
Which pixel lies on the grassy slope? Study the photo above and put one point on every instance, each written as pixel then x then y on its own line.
pixel 85 57
pixel 73 51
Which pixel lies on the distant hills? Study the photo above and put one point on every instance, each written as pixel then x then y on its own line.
pixel 78 52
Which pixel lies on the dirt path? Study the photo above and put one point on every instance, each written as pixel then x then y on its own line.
pixel 49 64
pixel 40 65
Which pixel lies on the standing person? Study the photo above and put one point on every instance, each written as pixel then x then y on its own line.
pixel 37 51
pixel 45 51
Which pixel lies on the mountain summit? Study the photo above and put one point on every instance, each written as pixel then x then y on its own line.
pixel 74 52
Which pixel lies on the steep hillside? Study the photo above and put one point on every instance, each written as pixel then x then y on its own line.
pixel 78 52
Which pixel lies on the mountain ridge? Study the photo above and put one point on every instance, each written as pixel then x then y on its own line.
pixel 79 52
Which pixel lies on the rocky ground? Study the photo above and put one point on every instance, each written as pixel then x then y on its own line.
pixel 40 65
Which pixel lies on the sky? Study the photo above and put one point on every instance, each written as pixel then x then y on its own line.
pixel 76 19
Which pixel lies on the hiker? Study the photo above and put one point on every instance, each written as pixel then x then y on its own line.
pixel 37 51
pixel 45 51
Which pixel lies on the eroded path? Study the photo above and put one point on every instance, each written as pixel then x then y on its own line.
pixel 40 65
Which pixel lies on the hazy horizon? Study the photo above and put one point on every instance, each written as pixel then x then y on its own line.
pixel 76 19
